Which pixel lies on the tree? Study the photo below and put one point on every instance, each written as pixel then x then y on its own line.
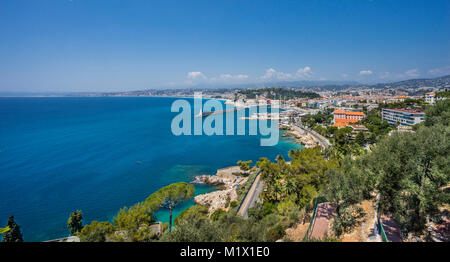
pixel 75 222
pixel 412 167
pixel 439 113
pixel 244 165
pixel 359 139
pixel 196 230
pixel 96 232
pixel 346 188
pixel 170 196
pixel 14 234
pixel 194 212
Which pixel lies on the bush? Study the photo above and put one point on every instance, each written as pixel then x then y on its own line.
pixel 194 212
pixel 268 208
pixel 347 220
pixel 196 230
pixel 276 232
pixel 96 232
pixel 217 214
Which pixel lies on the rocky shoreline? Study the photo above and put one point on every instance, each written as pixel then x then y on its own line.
pixel 229 178
pixel 302 137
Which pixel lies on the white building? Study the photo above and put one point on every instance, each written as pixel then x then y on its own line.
pixel 429 97
pixel 403 116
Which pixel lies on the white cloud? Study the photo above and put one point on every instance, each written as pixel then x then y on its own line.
pixel 301 73
pixel 344 75
pixel 365 72
pixel 199 77
pixel 304 72
pixel 233 77
pixel 412 73
pixel 272 74
pixel 196 75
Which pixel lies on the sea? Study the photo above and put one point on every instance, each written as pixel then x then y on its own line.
pixel 99 154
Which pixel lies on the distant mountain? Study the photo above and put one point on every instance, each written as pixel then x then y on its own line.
pixel 443 81
pixel 326 85
pixel 293 84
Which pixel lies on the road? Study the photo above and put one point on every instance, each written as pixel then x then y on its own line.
pixel 252 197
pixel 322 141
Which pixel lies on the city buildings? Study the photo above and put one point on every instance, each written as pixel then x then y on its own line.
pixel 403 116
pixel 429 97
pixel 342 118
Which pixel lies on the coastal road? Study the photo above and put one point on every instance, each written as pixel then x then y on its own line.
pixel 252 197
pixel 322 141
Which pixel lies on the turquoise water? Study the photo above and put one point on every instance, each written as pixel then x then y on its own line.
pixel 58 155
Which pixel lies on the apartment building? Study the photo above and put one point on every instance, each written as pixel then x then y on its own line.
pixel 342 118
pixel 429 97
pixel 403 116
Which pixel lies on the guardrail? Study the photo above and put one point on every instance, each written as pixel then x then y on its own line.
pixel 318 200
pixel 311 222
pixel 381 230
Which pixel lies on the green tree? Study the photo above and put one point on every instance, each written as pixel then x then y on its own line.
pixel 360 139
pixel 346 187
pixel 412 167
pixel 96 232
pixel 439 113
pixel 172 195
pixel 194 212
pixel 75 222
pixel 244 165
pixel 196 230
pixel 13 234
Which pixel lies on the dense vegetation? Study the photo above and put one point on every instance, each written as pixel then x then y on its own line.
pixel 132 224
pixel 277 93
pixel 409 172
pixel 445 94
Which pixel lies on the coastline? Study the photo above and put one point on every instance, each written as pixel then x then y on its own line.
pixel 227 181
pixel 135 167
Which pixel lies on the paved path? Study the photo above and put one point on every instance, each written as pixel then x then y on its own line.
pixel 324 212
pixel 391 228
pixel 251 198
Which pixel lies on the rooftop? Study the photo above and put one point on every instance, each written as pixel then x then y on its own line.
pixel 405 110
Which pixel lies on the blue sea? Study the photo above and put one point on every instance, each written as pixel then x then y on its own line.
pixel 58 155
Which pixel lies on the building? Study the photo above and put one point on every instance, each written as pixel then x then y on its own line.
pixel 403 116
pixel 429 97
pixel 358 128
pixel 401 129
pixel 342 118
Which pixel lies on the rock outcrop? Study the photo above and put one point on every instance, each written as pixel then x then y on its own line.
pixel 303 137
pixel 218 199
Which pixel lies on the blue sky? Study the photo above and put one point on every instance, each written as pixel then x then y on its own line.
pixel 99 45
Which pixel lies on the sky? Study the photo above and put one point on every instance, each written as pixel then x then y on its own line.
pixel 99 45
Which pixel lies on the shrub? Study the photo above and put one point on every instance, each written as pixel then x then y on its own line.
pixel 96 232
pixel 276 232
pixel 217 214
